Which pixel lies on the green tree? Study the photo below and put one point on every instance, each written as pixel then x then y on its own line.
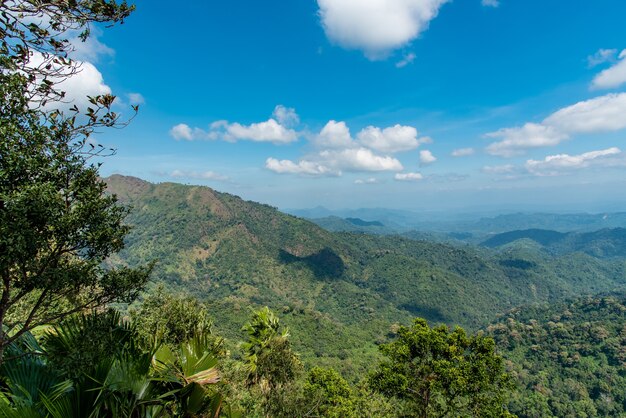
pixel 171 318
pixel 122 381
pixel 270 360
pixel 80 341
pixel 190 375
pixel 272 366
pixel 57 224
pixel 327 394
pixel 439 373
pixel 330 394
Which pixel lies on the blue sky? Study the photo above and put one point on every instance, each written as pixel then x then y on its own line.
pixel 418 104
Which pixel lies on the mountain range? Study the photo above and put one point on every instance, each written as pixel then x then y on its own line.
pixel 338 292
pixel 605 243
pixel 480 223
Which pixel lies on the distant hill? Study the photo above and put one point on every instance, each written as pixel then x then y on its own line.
pixel 579 222
pixel 361 222
pixel 603 243
pixel 334 290
pixel 394 218
pixel 550 221
pixel 541 236
pixel 569 359
pixel 475 224
pixel 337 224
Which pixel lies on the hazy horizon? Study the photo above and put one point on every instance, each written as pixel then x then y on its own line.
pixel 564 207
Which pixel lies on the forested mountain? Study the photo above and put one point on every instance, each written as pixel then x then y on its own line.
pixel 540 236
pixel 604 243
pixel 335 290
pixel 337 224
pixel 569 359
pixel 399 220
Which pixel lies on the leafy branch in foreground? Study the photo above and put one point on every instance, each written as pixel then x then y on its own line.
pixel 82 377
pixel 38 37
pixel 57 225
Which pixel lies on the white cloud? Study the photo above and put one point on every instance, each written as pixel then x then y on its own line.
pixel 87 80
pixel 516 141
pixel 337 151
pixel 136 98
pixel 286 116
pixel 332 162
pixel 82 78
pixel 612 77
pixel 302 167
pixel 197 175
pixel 376 27
pixel 560 164
pixel 359 159
pixel 390 140
pixel 601 114
pixel 463 152
pixel 406 60
pixel 602 56
pixel 182 131
pixel 427 157
pixel 269 131
pixel 499 169
pixel 447 178
pixel 491 3
pixel 334 135
pixel 425 140
pixel 554 165
pixel 370 180
pixel 409 176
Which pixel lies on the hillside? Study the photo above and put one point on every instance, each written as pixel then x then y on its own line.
pixel 238 255
pixel 335 290
pixel 337 224
pixel 568 359
pixel 605 243
pixel 540 236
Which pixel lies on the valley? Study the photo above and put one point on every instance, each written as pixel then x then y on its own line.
pixel 336 290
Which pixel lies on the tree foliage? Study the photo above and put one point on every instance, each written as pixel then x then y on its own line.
pixel 80 341
pixel 123 380
pixel 57 224
pixel 441 373
pixel 269 358
pixel 569 358
pixel 37 38
pixel 171 318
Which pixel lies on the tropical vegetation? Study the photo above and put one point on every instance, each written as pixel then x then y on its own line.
pixel 196 303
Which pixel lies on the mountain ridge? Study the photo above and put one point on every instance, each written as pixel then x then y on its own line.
pixel 334 290
pixel 603 243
